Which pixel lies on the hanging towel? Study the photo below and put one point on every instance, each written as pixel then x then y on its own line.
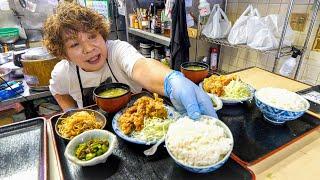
pixel 179 44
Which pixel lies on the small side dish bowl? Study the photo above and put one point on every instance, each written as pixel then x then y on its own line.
pixel 195 71
pixel 99 117
pixel 267 98
pixel 115 103
pixel 85 137
pixel 208 168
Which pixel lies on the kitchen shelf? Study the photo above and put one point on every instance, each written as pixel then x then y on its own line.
pixel 158 38
pixel 285 51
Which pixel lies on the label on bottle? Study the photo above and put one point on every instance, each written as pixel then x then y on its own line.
pixel 288 67
pixel 145 23
pixel 285 70
pixel 213 61
pixel 153 23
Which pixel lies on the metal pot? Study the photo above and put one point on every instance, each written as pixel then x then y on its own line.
pixel 38 80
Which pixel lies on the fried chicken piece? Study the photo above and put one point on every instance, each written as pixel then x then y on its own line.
pixel 215 84
pixel 145 107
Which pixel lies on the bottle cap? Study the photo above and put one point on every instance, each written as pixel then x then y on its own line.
pixel 214 50
pixel 295 52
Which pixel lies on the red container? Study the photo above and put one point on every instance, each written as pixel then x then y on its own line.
pixel 195 76
pixel 112 104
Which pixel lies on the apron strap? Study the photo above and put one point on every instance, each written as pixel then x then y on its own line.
pixel 81 88
pixel 84 100
pixel 112 72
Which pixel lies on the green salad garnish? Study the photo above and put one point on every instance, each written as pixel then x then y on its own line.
pixel 236 90
pixel 154 129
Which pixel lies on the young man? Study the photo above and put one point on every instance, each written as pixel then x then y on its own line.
pixel 79 35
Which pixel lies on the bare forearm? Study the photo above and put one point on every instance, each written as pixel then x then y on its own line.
pixel 151 74
pixel 65 102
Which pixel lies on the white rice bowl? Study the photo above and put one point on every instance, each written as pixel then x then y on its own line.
pixel 199 143
pixel 282 99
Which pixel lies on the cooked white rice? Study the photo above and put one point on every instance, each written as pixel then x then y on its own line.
pixel 281 98
pixel 198 143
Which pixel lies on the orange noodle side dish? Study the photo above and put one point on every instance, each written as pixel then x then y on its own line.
pixel 78 123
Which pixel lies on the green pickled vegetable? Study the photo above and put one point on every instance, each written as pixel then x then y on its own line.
pixel 99 152
pixel 104 147
pixel 90 156
pixel 91 149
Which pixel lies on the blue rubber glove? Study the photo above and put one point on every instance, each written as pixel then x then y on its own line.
pixel 187 96
pixel 70 109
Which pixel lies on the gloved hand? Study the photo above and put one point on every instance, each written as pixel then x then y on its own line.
pixel 70 109
pixel 187 96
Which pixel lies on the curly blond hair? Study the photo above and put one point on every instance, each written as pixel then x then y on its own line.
pixel 71 18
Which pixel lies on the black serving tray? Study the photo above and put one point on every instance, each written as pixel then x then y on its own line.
pixel 23 150
pixel 128 162
pixel 314 107
pixel 254 138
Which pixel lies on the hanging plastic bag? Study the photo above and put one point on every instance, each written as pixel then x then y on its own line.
pixel 259 34
pixel 238 33
pixel 264 33
pixel 218 25
pixel 276 24
pixel 254 25
pixel 263 40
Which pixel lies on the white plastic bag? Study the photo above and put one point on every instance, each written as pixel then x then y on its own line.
pixel 238 33
pixel 264 33
pixel 259 34
pixel 276 23
pixel 254 25
pixel 217 27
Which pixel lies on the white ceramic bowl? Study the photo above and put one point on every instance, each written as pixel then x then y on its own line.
pixel 86 136
pixel 277 115
pixel 209 168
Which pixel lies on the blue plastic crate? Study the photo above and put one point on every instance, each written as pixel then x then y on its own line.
pixel 7 92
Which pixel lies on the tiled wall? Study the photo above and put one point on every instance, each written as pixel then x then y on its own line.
pixel 234 59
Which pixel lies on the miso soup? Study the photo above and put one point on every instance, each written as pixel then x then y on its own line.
pixel 195 68
pixel 114 92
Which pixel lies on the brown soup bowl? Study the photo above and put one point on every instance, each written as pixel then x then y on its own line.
pixel 195 75
pixel 112 104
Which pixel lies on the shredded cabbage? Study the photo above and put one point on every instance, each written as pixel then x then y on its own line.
pixel 154 129
pixel 236 90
